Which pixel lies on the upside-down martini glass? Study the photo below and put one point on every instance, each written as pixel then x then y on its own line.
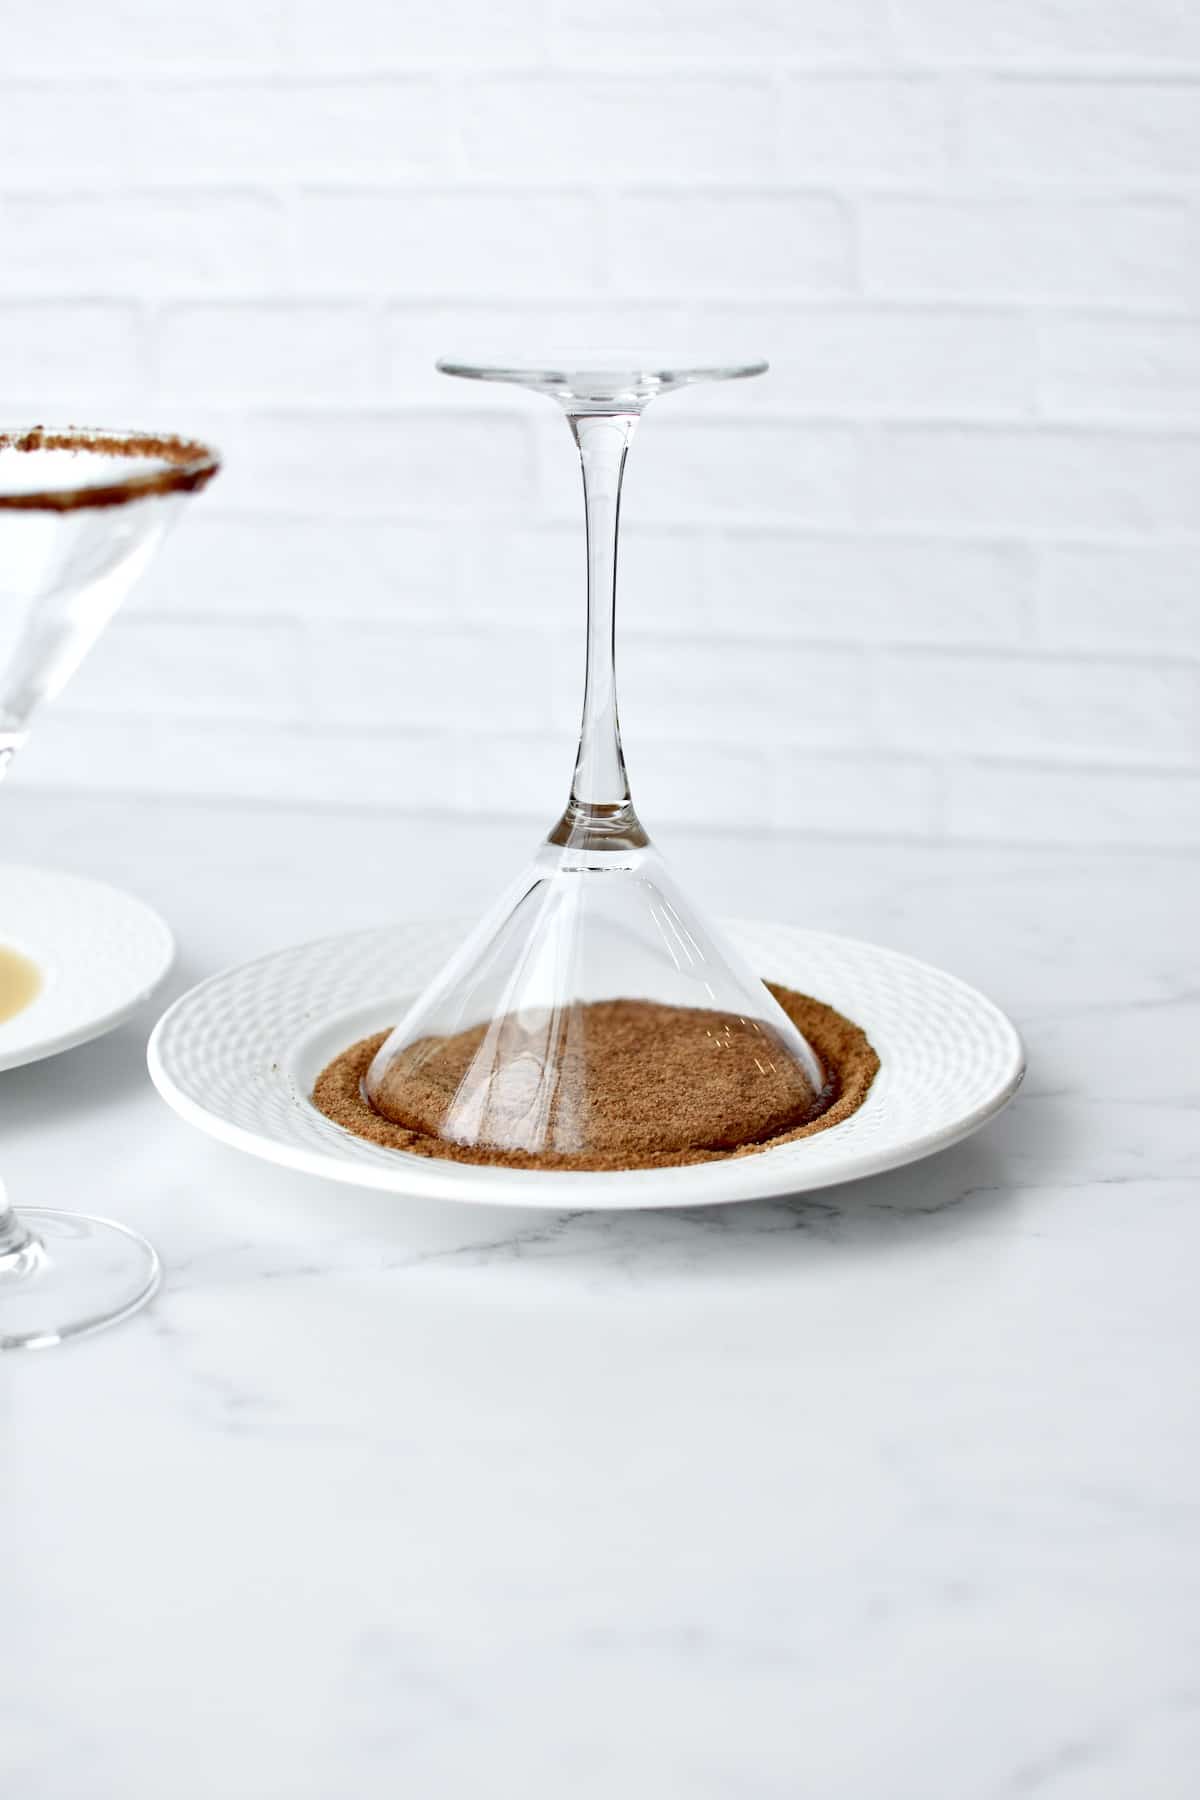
pixel 503 1054
pixel 81 514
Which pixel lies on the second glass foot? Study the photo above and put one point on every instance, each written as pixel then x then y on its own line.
pixel 81 1274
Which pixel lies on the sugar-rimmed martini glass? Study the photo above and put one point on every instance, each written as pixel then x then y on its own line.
pixel 81 514
pixel 506 1053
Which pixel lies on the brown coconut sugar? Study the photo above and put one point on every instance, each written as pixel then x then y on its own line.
pixel 640 1058
pixel 188 467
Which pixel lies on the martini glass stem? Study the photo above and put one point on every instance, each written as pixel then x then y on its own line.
pixel 18 1246
pixel 600 812
pixel 17 1242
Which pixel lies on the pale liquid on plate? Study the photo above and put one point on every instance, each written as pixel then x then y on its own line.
pixel 20 981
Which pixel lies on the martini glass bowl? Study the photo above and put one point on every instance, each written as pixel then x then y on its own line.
pixel 596 1018
pixel 81 514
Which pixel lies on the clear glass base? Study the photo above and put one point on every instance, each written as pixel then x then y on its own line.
pixel 76 1274
pixel 596 1012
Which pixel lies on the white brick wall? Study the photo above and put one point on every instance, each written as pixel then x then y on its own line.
pixel 936 575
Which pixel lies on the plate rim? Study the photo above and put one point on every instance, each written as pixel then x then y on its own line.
pixel 579 1189
pixel 97 1025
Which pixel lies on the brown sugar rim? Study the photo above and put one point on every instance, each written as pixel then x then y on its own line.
pixel 190 465
pixel 851 1064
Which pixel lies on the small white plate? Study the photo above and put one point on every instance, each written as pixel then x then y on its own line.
pixel 100 953
pixel 238 1055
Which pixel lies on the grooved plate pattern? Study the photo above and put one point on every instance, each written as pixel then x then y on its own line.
pixel 100 953
pixel 237 1056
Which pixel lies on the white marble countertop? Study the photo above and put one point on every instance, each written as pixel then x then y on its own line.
pixel 892 1493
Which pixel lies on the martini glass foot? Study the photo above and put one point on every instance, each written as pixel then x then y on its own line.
pixel 68 1275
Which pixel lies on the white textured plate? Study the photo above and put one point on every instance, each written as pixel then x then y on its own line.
pixel 100 953
pixel 237 1056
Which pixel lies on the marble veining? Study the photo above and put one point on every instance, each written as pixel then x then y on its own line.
pixel 889 1492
